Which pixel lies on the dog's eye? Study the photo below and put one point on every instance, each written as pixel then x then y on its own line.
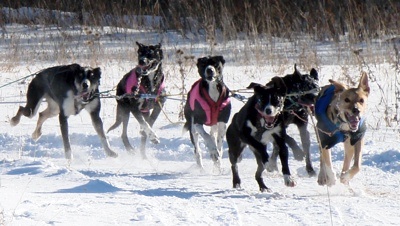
pixel 361 100
pixel 347 100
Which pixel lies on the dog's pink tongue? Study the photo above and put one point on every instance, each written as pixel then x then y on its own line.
pixel 85 96
pixel 354 121
pixel 269 120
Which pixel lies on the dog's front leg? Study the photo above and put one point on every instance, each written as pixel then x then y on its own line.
pixel 305 141
pixel 350 152
pixel 145 127
pixel 64 133
pixel 326 174
pixel 220 137
pixel 98 126
pixel 156 111
pixel 209 141
pixel 194 137
pixel 279 141
pixel 261 155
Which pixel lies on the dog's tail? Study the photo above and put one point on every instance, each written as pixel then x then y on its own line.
pixel 120 115
pixel 186 127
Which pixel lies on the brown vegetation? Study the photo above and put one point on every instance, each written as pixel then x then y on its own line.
pixel 323 20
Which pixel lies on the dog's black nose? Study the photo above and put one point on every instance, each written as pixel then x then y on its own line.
pixel 143 61
pixel 210 72
pixel 355 111
pixel 268 111
pixel 85 85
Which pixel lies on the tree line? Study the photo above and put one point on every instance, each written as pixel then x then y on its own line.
pixel 323 19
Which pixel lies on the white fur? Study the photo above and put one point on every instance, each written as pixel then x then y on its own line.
pixel 327 174
pixel 213 91
pixel 68 105
pixel 267 135
pixel 212 140
pixel 150 132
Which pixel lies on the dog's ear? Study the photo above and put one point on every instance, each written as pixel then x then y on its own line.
pixel 200 60
pixel 258 89
pixel 279 85
pixel 339 87
pixel 314 74
pixel 364 82
pixel 220 59
pixel 75 67
pixel 253 85
pixel 97 72
pixel 296 72
pixel 139 44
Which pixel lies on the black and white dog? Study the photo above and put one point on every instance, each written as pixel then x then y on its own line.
pixel 142 92
pixel 258 122
pixel 67 89
pixel 208 103
pixel 302 90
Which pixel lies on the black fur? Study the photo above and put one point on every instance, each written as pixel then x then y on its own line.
pixel 210 70
pixel 302 89
pixel 258 122
pixel 146 111
pixel 68 89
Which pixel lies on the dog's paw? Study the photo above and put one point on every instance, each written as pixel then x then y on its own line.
pixel 328 179
pixel 236 185
pixel 298 154
pixel 217 167
pixel 14 121
pixel 271 166
pixel 345 178
pixel 154 138
pixel 68 155
pixel 265 190
pixel 289 181
pixel 215 156
pixel 36 135
pixel 311 172
pixel 111 154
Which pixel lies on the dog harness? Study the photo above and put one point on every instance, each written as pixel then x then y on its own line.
pixel 210 107
pixel 132 81
pixel 328 132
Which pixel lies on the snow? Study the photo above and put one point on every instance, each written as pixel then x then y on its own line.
pixel 38 186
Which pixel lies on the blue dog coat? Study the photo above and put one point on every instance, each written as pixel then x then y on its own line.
pixel 325 125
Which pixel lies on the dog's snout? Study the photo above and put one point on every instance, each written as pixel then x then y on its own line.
pixel 143 61
pixel 210 71
pixel 356 111
pixel 268 111
pixel 85 84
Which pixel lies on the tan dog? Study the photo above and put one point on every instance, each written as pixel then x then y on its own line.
pixel 340 112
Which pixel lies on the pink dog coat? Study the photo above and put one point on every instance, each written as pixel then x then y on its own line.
pixel 132 81
pixel 210 107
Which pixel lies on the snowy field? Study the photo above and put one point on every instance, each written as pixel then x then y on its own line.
pixel 39 187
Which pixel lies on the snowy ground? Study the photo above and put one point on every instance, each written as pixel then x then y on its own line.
pixel 39 187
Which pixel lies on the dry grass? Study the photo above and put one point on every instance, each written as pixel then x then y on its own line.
pixel 274 33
